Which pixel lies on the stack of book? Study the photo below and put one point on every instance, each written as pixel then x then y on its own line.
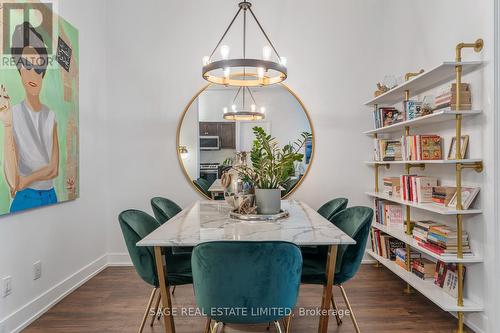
pixel 421 230
pixel 388 213
pixel 423 268
pixel 417 188
pixel 386 116
pixel 421 147
pixel 442 195
pixel 387 150
pixel 448 98
pixel 392 185
pixel 385 245
pixel 401 256
pixel 446 277
pixel 441 239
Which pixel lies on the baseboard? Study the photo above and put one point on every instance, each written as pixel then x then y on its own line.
pixel 119 259
pixel 17 321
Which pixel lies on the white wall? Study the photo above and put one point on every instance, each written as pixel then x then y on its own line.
pixel 326 68
pixel 421 34
pixel 68 238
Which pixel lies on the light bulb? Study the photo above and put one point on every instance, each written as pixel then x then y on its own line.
pixel 206 60
pixel 283 61
pixel 184 155
pixel 233 107
pixel 227 72
pixel 224 109
pixel 262 110
pixel 260 72
pixel 266 52
pixel 224 51
pixel 253 107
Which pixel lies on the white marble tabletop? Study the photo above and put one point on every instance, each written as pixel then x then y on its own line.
pixel 216 186
pixel 206 221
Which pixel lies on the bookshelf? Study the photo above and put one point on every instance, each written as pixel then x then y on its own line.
pixel 417 83
pixel 428 289
pixel 436 117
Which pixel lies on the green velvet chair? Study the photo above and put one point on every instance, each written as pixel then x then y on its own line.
pixel 136 225
pixel 355 222
pixel 164 209
pixel 328 209
pixel 332 207
pixel 202 185
pixel 247 276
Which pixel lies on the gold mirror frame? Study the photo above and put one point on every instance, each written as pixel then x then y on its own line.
pixel 188 106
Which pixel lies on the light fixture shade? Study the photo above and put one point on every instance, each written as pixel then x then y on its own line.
pixel 244 72
pixel 244 115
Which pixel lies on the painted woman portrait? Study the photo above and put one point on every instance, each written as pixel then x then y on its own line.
pixel 31 145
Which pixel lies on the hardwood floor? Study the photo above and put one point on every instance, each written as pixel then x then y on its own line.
pixel 114 301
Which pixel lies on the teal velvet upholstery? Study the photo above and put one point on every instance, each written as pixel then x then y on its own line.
pixel 136 225
pixel 329 209
pixel 246 275
pixel 332 207
pixel 355 222
pixel 202 185
pixel 164 209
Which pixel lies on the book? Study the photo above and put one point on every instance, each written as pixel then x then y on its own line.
pixel 450 283
pixel 468 196
pixel 423 268
pixel 394 216
pixel 430 147
pixel 412 109
pixel 424 187
pixel 442 195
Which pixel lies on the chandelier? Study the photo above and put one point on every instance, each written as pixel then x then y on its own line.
pixel 245 72
pixel 245 112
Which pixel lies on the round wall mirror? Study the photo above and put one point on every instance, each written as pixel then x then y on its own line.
pixel 210 141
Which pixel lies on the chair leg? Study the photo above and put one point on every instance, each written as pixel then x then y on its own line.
pixel 288 323
pixel 207 326
pixel 157 306
pixel 278 326
pixel 215 329
pixel 148 308
pixel 173 290
pixel 337 314
pixel 353 317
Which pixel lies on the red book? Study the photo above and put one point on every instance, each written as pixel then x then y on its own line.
pixel 432 248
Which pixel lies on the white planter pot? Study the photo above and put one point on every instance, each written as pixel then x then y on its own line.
pixel 268 201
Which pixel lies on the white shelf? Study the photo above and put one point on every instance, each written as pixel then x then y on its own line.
pixel 427 288
pixel 436 117
pixel 433 78
pixel 430 207
pixel 465 161
pixel 408 239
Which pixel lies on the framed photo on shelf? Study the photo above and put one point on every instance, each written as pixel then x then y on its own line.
pixel 463 147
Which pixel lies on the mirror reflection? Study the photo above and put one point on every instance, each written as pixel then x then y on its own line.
pixel 210 140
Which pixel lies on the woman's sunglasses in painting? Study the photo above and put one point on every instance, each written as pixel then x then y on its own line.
pixel 40 70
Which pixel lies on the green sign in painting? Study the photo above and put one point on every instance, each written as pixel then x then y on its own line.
pixel 38 107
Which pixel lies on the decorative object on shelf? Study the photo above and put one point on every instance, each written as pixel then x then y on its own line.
pixel 448 98
pixel 39 108
pixel 271 169
pixel 410 75
pixel 427 106
pixel 244 72
pixel 452 149
pixel 468 196
pixel 183 151
pixel 380 89
pixel 244 112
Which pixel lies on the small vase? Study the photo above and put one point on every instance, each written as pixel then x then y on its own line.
pixel 268 201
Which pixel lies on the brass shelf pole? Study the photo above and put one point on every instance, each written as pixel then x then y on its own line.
pixel 477 46
pixel 408 289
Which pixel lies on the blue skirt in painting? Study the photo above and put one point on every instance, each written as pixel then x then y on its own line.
pixel 30 198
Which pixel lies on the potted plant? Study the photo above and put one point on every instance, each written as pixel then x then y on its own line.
pixel 272 167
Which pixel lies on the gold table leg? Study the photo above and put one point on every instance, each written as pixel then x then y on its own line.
pixel 166 301
pixel 328 289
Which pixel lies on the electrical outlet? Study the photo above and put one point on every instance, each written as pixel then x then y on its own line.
pixel 37 270
pixel 6 286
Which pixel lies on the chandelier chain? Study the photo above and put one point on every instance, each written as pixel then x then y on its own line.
pixel 263 32
pixel 225 33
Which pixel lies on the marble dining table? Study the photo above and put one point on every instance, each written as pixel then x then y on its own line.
pixel 206 221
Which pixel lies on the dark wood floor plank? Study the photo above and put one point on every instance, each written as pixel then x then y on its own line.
pixel 114 301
